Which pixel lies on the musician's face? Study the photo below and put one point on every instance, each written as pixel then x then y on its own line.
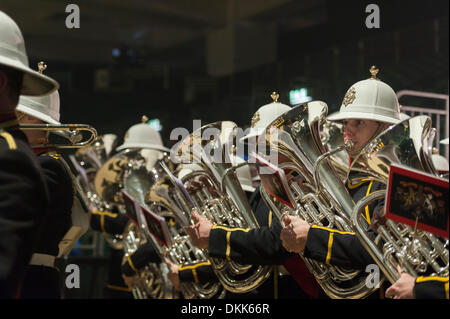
pixel 33 136
pixel 359 131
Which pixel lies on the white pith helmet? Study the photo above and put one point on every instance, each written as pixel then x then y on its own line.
pixel 404 117
pixel 440 163
pixel 142 136
pixel 187 169
pixel 265 115
pixel 45 108
pixel 13 55
pixel 109 141
pixel 369 99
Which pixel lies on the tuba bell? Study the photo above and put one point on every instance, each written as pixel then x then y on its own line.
pixel 396 244
pixel 320 197
pixel 217 194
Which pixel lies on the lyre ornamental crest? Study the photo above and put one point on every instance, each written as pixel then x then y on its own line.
pixel 41 67
pixel 255 119
pixel 349 96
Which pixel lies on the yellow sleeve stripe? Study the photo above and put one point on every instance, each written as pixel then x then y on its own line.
pixel 228 229
pixel 333 230
pixel 367 218
pixel 351 186
pixel 102 223
pixel 270 218
pixel 98 212
pixel 206 263
pixel 227 254
pixel 446 290
pixel 431 278
pixel 330 245
pixel 130 262
pixel 102 218
pixel 113 287
pixel 10 140
pixel 194 273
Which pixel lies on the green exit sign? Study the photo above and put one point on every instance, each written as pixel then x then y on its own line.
pixel 298 96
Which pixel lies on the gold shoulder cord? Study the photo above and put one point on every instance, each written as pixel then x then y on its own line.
pixel 9 139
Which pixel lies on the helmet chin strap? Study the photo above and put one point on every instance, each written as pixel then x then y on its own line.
pixel 356 152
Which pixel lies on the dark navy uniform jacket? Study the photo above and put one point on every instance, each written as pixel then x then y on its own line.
pixel 42 282
pixel 23 206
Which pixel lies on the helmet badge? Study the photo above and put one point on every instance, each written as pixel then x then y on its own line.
pixel 255 119
pixel 349 96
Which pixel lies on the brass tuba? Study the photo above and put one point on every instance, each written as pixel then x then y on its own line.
pixel 164 197
pixel 217 194
pixel 320 197
pixel 129 171
pixel 418 252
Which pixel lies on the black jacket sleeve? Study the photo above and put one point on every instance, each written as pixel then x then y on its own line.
pixel 344 248
pixel 260 246
pixel 336 248
pixel 23 205
pixel 109 222
pixel 431 287
pixel 61 193
pixel 144 255
pixel 199 273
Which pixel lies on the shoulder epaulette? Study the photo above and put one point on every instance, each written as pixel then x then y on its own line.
pixel 9 139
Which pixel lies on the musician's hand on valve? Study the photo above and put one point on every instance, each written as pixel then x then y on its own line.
pixel 294 233
pixel 403 287
pixel 172 275
pixel 199 232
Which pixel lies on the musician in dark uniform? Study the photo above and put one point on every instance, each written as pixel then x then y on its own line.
pixel 138 136
pixel 43 279
pixel 364 117
pixel 114 223
pixel 260 246
pixel 24 198
pixel 422 287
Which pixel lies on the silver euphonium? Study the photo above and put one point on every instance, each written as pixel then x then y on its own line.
pixel 407 143
pixel 165 197
pixel 132 167
pixel 318 193
pixel 217 195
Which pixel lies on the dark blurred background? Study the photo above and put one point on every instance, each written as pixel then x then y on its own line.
pixel 180 60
